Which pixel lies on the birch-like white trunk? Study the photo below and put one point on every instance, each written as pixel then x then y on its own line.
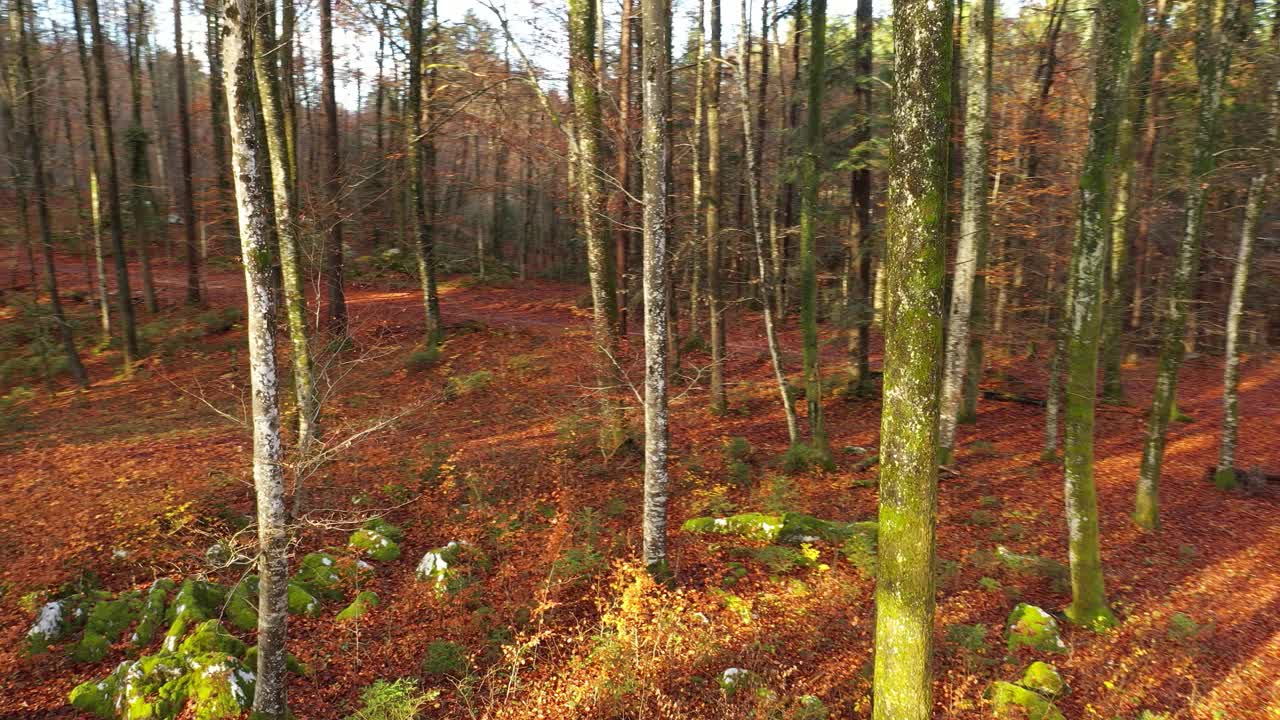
pixel 655 151
pixel 974 221
pixel 248 157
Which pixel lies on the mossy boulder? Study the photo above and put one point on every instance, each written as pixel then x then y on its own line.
pixel 59 618
pixel 788 528
pixel 318 575
pixel 1031 626
pixel 150 687
pixel 218 686
pixel 91 648
pixel 375 545
pixel 301 601
pixel 1018 703
pixel 242 604
pixel 210 637
pixel 382 527
pixel 106 622
pixel 152 613
pixel 197 600
pixel 448 568
pixel 1036 565
pixel 1044 679
pixel 363 603
pixel 98 697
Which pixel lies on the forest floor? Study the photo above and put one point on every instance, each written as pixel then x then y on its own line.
pixel 493 444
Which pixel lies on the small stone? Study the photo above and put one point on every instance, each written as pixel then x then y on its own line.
pixel 1030 626
pixel 375 545
pixel 1044 679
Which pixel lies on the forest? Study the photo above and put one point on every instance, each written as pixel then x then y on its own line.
pixel 525 359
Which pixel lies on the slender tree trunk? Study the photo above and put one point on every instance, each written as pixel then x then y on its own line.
pixel 1146 189
pixel 1114 26
pixel 587 127
pixel 1116 292
pixel 810 174
pixel 114 216
pixel 1225 477
pixel 757 233
pixel 337 311
pixel 914 262
pixel 137 139
pixel 285 212
pixel 217 120
pixel 781 271
pixel 715 306
pixel 26 81
pixel 423 210
pixel 1218 23
pixel 655 151
pixel 858 308
pixel 74 167
pixel 248 153
pixel 186 198
pixel 95 204
pixel 697 248
pixel 620 203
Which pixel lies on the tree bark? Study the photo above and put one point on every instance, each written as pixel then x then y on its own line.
pixel 248 154
pixel 1114 26
pixel 1218 23
pixel 114 217
pixel 975 220
pixel 26 81
pixel 95 203
pixel 714 246
pixel 810 174
pixel 186 199
pixel 914 267
pixel 337 311
pixel 137 139
pixel 655 151
pixel 858 300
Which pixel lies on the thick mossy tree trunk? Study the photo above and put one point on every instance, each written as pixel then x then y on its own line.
pixel 248 155
pixel 95 200
pixel 655 151
pixel 714 243
pixel 124 295
pixel 1114 26
pixel 757 233
pixel 587 129
pixel 811 174
pixel 858 290
pixel 975 221
pixel 285 210
pixel 1217 26
pixel 1225 477
pixel 914 265
pixel 186 199
pixel 25 49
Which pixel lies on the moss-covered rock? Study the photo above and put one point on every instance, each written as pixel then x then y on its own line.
pixel 382 527
pixel 210 637
pixel 1030 626
pixel 363 603
pixel 1016 703
pixel 152 613
pixel 448 568
pixel 91 648
pixel 55 620
pixel 301 601
pixel 98 697
pixel 1035 565
pixel 752 526
pixel 318 574
pixel 242 604
pixel 375 545
pixel 1044 679
pixel 218 686
pixel 786 528
pixel 734 680
pixel 197 600
pixel 150 687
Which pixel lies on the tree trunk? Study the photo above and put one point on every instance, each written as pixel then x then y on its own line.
pixel 975 220
pixel 914 266
pixel 587 127
pixel 95 205
pixel 136 138
pixel 415 148
pixel 186 198
pixel 217 119
pixel 858 308
pixel 621 208
pixel 124 295
pixel 1218 24
pixel 655 151
pixel 715 306
pixel 1113 31
pixel 810 175
pixel 30 91
pixel 332 177
pixel 285 212
pixel 757 232
pixel 697 249
pixel 1225 477
pixel 247 154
